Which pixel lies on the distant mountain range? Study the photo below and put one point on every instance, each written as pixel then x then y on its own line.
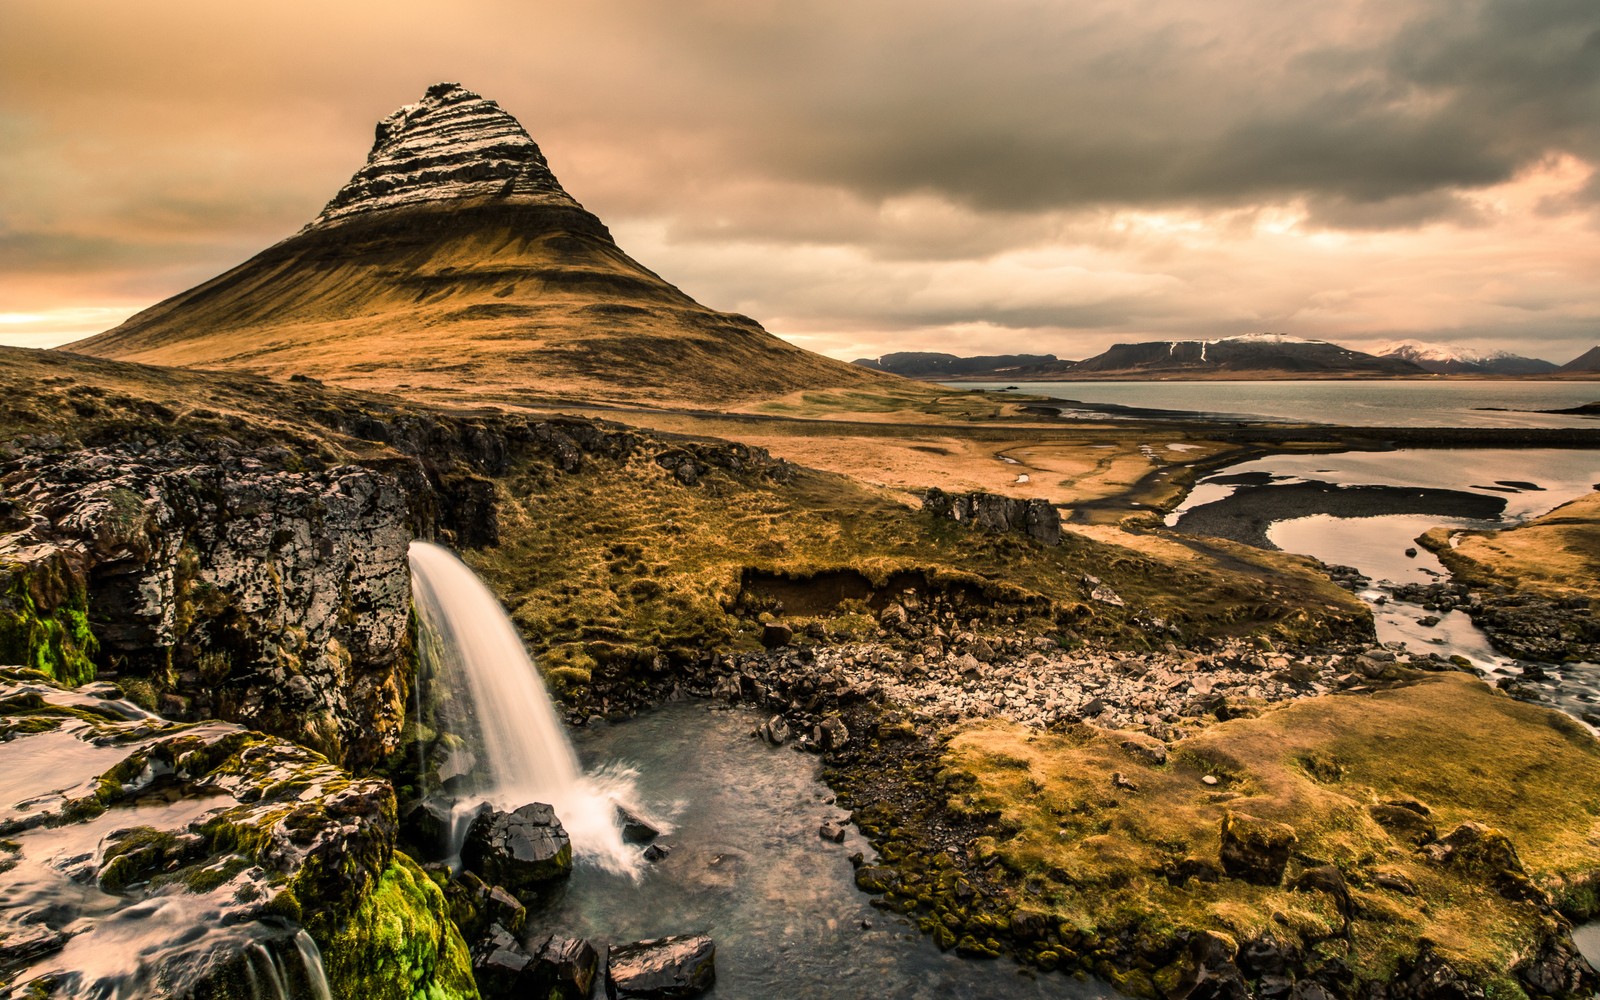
pixel 1251 356
pixel 925 364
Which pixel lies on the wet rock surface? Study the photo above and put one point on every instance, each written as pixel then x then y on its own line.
pixel 174 853
pixel 520 850
pixel 661 969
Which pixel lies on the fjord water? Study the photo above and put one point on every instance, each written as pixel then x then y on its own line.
pixel 492 693
pixel 1366 403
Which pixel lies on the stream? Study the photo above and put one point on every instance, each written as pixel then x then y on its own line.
pixel 748 867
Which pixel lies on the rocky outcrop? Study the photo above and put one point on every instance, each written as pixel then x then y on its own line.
pixel 451 145
pixel 996 514
pixel 209 845
pixel 1523 625
pixel 251 591
pixel 1255 850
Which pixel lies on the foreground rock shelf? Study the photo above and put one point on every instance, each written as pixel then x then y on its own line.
pixel 145 857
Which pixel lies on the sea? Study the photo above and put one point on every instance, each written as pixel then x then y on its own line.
pixel 1376 403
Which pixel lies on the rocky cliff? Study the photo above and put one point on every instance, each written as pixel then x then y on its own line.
pixel 216 572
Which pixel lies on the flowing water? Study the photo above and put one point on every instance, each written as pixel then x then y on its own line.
pixel 473 650
pixel 747 866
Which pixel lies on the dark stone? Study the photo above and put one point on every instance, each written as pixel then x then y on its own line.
pixel 656 852
pixel 519 850
pixel 662 969
pixel 1558 970
pixel 500 966
pixel 1209 972
pixel 1256 850
pixel 990 512
pixel 776 634
pixel 831 832
pixel 634 829
pixel 564 968
pixel 1328 879
pixel 830 733
pixel 775 731
pixel 425 827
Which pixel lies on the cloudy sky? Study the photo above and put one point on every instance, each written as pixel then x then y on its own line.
pixel 862 177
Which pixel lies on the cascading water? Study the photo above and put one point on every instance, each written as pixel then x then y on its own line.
pixel 494 692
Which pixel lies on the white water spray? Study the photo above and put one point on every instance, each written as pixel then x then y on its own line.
pixel 480 656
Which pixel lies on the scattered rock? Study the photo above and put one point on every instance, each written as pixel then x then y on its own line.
pixel 831 832
pixel 656 852
pixel 775 731
pixel 564 968
pixel 1406 820
pixel 1256 850
pixel 1120 780
pixel 662 969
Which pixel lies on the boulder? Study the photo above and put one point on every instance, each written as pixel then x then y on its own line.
pixel 500 965
pixel 662 969
pixel 776 634
pixel 1405 820
pixel 832 832
pixel 520 850
pixel 564 968
pixel 775 731
pixel 1256 850
pixel 477 907
pixel 830 733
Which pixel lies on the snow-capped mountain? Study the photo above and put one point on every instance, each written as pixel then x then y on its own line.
pixel 1451 359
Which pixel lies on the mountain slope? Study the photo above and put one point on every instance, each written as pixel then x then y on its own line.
pixel 1588 361
pixel 1449 359
pixel 453 264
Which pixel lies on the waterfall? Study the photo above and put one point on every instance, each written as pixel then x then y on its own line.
pixel 493 691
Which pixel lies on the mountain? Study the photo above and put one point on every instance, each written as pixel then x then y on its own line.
pixel 1256 355
pixel 454 265
pixel 929 365
pixel 1588 361
pixel 1449 359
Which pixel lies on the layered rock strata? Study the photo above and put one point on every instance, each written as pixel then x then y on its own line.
pixel 453 145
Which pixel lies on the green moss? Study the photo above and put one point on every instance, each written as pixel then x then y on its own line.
pixel 58 644
pixel 399 944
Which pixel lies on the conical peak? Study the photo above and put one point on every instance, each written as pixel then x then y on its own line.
pixel 451 145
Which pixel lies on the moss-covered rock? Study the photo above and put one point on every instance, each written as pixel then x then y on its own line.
pixel 398 944
pixel 244 835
